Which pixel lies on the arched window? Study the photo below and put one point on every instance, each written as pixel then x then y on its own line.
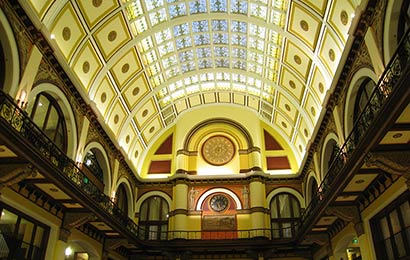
pixel 313 188
pixel 48 116
pixel 121 199
pixel 153 220
pixel 363 95
pixel 91 161
pixel 285 213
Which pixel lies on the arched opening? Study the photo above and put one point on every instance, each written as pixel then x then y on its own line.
pixel 92 161
pixel 285 213
pixel 364 93
pixel 330 152
pixel 153 218
pixel 121 198
pixel 47 115
pixel 312 189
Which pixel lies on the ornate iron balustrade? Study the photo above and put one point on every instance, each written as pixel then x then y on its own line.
pixel 268 234
pixel 16 118
pixel 385 86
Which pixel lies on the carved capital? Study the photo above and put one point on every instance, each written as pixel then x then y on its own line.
pixel 14 173
pixel 397 162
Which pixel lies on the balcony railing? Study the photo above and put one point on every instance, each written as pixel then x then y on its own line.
pixel 380 96
pixel 12 115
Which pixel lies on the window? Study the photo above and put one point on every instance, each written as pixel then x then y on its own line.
pixel 91 162
pixel 20 236
pixel 47 115
pixel 313 188
pixel 153 220
pixel 363 95
pixel 391 230
pixel 121 199
pixel 285 213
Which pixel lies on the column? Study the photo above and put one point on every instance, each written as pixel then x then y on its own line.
pixel 257 205
pixel 179 214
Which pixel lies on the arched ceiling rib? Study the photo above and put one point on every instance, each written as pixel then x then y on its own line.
pixel 143 62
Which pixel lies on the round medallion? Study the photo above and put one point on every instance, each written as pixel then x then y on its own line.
pixel 219 202
pixel 218 150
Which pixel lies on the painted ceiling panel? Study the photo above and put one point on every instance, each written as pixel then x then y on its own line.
pixel 116 117
pixel 112 35
pixel 304 25
pixel 41 6
pixel 126 67
pixel 67 31
pixel 104 96
pixel 86 65
pixel 135 91
pixel 340 18
pixel 94 11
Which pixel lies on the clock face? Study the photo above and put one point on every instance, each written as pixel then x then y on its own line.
pixel 218 150
pixel 219 202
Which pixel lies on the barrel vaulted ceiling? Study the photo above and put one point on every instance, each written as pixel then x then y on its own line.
pixel 144 62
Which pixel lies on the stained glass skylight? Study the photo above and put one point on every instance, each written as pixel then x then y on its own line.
pixel 247 41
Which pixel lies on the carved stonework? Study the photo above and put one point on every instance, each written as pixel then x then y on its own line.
pixel 320 239
pixel 74 220
pixel 349 214
pixel 395 163
pixel 64 234
pixel 14 173
pixel 112 244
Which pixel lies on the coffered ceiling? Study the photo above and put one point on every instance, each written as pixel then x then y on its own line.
pixel 144 63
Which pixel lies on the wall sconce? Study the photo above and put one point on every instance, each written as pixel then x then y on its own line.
pixel 68 252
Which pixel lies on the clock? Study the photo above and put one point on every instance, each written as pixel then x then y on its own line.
pixel 219 202
pixel 218 150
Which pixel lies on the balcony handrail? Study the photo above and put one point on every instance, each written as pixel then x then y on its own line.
pixel 376 102
pixel 18 119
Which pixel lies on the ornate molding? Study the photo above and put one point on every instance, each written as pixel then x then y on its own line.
pixel 349 214
pixel 320 239
pixel 74 220
pixel 112 244
pixel 14 173
pixel 396 163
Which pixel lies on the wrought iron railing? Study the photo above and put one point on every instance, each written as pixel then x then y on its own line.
pixel 376 102
pixel 287 234
pixel 11 114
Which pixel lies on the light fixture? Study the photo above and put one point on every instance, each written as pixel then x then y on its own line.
pixel 68 251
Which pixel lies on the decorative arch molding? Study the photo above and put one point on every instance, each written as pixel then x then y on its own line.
pixel 311 176
pixel 65 106
pixel 11 57
pixel 330 140
pixel 145 196
pixel 129 193
pixel 219 121
pixel 106 166
pixel 292 191
pixel 219 190
pixel 351 95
